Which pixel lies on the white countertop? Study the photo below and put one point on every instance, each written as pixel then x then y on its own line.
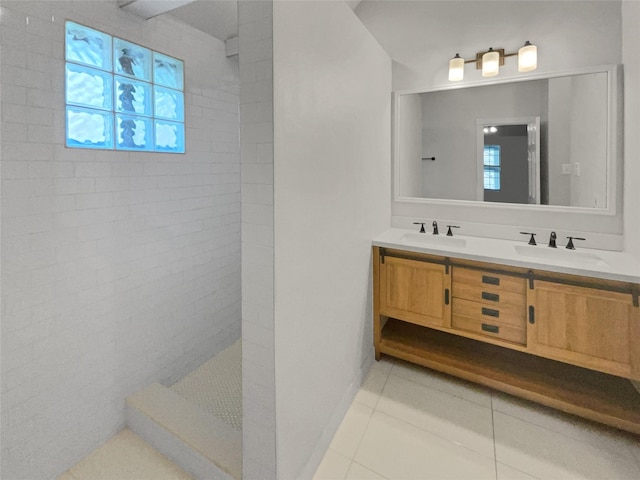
pixel 582 261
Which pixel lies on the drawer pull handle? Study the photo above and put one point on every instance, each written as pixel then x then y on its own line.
pixel 493 297
pixel 490 328
pixel 490 312
pixel 490 280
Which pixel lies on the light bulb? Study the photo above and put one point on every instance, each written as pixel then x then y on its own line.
pixel 456 69
pixel 490 63
pixel 527 58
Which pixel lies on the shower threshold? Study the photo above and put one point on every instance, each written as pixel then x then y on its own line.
pixel 197 422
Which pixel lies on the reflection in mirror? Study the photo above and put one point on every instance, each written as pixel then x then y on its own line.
pixel 508 160
pixel 564 121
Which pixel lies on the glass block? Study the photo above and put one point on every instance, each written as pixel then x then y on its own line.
pixel 168 103
pixel 169 137
pixel 87 128
pixel 168 71
pixel 131 60
pixel 89 87
pixel 491 179
pixel 87 46
pixel 132 97
pixel 134 133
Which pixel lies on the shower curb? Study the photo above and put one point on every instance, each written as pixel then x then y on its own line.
pixel 202 445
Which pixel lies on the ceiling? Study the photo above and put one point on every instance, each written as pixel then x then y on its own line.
pixel 218 18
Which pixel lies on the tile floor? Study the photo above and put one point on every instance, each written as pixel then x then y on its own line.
pixel 125 457
pixel 412 423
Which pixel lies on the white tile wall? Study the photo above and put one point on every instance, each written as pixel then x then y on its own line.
pixel 118 269
pixel 256 140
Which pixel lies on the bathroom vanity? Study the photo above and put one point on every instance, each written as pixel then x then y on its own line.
pixel 558 327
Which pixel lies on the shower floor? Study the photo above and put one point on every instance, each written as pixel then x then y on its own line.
pixel 216 386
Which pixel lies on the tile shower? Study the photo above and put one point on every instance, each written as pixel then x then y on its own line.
pixel 120 268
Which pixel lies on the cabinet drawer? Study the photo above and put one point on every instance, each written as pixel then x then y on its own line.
pixel 508 314
pixel 495 281
pixel 489 328
pixel 488 294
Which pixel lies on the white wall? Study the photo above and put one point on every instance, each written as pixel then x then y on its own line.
pixel 332 85
pixel 256 137
pixel 588 141
pixel 410 145
pixel 558 146
pixel 118 269
pixel 631 60
pixel 568 34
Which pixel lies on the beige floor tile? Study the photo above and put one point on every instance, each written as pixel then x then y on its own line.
pixel 445 383
pixel 333 467
pixel 351 430
pixel 600 436
pixel 547 454
pixel 65 476
pixel 398 450
pixel 448 416
pixel 126 456
pixel 374 382
pixel 358 472
pixel 505 472
pixel 635 450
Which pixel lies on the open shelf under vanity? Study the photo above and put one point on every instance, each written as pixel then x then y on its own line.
pixel 589 394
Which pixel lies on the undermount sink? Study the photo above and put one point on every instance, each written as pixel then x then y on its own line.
pixel 427 239
pixel 560 255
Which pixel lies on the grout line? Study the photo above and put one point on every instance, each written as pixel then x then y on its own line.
pixel 368 468
pixel 579 421
pixel 373 410
pixel 493 431
pixel 458 383
pixel 435 434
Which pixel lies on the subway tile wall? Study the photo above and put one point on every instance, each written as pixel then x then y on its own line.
pixel 256 145
pixel 118 268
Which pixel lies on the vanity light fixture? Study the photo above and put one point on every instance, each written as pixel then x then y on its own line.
pixel 491 60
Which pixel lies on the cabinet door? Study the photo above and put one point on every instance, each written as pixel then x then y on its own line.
pixel 593 328
pixel 415 291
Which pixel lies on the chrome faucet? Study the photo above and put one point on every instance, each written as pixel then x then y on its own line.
pixel 552 240
pixel 435 227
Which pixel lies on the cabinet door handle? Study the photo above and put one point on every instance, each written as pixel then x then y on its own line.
pixel 490 280
pixel 490 312
pixel 446 296
pixel 532 314
pixel 492 297
pixel 490 328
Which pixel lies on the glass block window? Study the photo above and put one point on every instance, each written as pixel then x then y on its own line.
pixel 492 167
pixel 120 95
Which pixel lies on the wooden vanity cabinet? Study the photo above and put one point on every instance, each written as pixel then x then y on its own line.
pixel 587 326
pixel 565 341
